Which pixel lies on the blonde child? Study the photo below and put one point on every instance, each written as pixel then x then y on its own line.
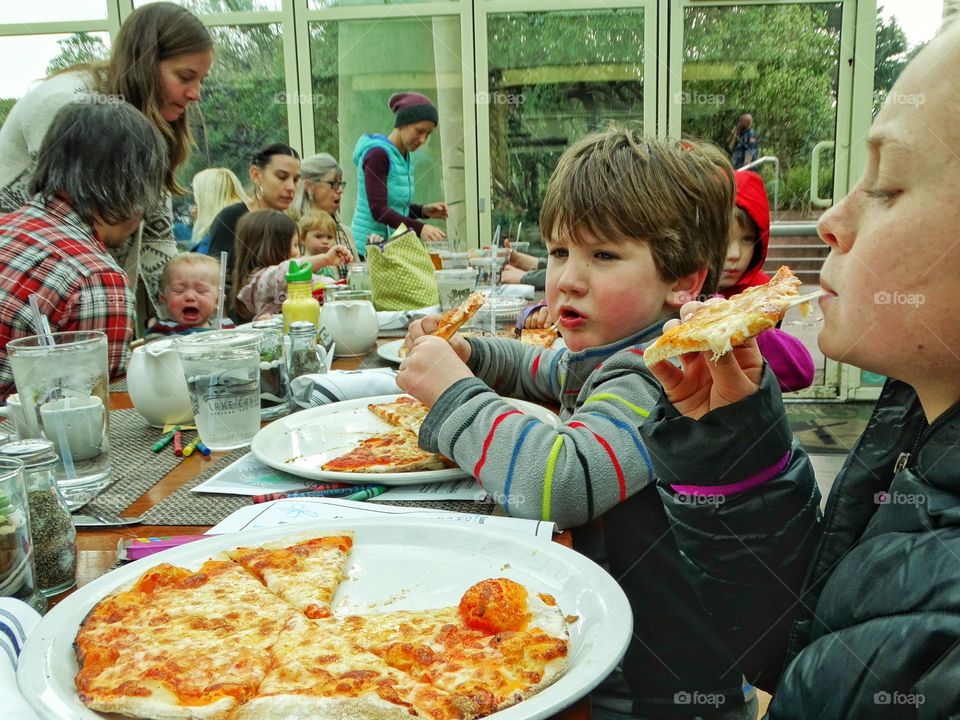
pixel 213 190
pixel 318 233
pixel 188 289
pixel 852 613
pixel 620 264
pixel 266 242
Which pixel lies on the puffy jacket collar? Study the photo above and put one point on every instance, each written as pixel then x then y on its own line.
pixel 752 199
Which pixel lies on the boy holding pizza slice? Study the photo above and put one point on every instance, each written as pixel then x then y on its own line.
pixel 635 227
pixel 852 613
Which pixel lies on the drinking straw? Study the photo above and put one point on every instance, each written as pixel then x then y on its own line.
pixel 493 279
pixel 40 323
pixel 223 289
pixel 65 454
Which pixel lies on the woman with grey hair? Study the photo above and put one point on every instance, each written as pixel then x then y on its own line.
pixel 321 188
pixel 83 202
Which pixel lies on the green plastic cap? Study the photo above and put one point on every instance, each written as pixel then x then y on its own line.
pixel 300 272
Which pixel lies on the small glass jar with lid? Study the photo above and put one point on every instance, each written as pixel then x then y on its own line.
pixel 358 277
pixel 51 527
pixel 274 380
pixel 306 357
pixel 17 570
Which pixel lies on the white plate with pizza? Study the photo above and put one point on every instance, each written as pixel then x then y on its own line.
pixel 391 351
pixel 395 565
pixel 302 443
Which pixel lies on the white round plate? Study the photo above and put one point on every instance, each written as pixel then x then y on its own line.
pixel 302 442
pixel 396 564
pixel 391 351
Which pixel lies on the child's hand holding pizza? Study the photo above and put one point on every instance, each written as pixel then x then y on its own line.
pixel 431 366
pixel 702 384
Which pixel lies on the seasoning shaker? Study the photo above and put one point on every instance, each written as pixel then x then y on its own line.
pixel 274 380
pixel 306 357
pixel 17 571
pixel 51 526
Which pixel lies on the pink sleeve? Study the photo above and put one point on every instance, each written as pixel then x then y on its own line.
pixel 789 360
pixel 266 289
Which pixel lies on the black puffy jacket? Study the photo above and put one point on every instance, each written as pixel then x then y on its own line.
pixel 855 614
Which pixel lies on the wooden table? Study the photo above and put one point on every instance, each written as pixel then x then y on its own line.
pixel 97 549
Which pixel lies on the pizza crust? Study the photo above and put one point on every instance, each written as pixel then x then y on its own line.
pixel 721 325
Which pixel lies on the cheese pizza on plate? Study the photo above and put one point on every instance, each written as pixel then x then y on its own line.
pixel 230 641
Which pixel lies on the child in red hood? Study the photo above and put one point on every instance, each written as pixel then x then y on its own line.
pixel 789 360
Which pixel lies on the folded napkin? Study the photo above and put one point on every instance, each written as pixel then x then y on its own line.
pixel 314 390
pixel 17 619
pixel 516 291
pixel 399 319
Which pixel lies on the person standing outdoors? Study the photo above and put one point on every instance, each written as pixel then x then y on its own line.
pixel 83 202
pixel 744 145
pixel 385 174
pixel 159 60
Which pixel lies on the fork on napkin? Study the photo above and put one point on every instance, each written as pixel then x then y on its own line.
pixel 17 620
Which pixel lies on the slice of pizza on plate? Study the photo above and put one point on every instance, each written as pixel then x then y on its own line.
pixel 306 573
pixel 388 452
pixel 404 412
pixel 723 324
pixel 539 337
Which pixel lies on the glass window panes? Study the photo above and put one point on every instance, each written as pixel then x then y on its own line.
pixel 243 100
pixel 36 56
pixel 554 77
pixel 199 7
pixel 357 65
pixel 52 11
pixel 778 63
pixel 321 4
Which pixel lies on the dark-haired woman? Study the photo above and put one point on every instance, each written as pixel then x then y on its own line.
pixel 275 172
pixel 159 60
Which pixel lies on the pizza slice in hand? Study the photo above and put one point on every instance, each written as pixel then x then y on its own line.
pixel 454 318
pixel 722 325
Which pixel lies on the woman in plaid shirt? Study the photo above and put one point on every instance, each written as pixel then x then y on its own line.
pixel 84 202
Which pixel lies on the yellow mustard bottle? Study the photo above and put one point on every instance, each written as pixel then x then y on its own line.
pixel 300 303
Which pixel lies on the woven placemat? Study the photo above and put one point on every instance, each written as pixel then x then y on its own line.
pixel 119 386
pixel 134 467
pixel 375 361
pixel 184 507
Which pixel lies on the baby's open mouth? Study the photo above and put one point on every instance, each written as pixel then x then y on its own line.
pixel 191 314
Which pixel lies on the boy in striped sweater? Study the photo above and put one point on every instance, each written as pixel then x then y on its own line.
pixel 635 226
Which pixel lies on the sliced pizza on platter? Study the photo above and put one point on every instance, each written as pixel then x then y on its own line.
pixel 539 337
pixel 404 412
pixel 721 325
pixel 305 574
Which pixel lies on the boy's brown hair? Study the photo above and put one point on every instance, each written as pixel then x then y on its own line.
pixel 619 184
pixel 190 258
pixel 316 219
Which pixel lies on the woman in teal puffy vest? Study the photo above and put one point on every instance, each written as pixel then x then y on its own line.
pixel 385 174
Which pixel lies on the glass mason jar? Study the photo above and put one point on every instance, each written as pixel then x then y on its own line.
pixel 306 357
pixel 358 277
pixel 274 381
pixel 51 527
pixel 17 571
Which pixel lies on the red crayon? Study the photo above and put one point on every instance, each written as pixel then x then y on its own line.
pixel 177 444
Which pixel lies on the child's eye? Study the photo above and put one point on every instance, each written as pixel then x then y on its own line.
pixel 604 255
pixel 559 252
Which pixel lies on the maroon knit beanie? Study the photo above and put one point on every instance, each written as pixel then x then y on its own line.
pixel 412 107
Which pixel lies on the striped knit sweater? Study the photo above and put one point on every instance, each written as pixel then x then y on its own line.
pixel 570 474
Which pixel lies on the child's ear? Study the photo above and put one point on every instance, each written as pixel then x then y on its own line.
pixel 686 288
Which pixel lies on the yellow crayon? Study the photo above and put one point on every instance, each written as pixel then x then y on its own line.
pixel 191 446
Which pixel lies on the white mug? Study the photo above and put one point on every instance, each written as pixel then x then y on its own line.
pixel 23 426
pixel 78 421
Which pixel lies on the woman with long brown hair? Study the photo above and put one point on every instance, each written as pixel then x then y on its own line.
pixel 159 60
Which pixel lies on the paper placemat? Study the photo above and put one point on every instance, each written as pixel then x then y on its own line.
pixel 134 467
